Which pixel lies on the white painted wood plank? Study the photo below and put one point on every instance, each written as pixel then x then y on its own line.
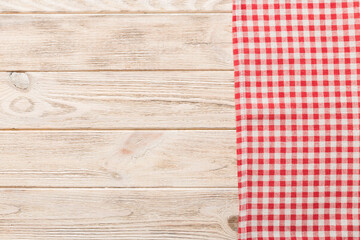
pixel 76 6
pixel 115 42
pixel 125 100
pixel 118 159
pixel 118 214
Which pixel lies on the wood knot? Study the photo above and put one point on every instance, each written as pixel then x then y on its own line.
pixel 233 222
pixel 19 80
pixel 6 209
pixel 22 105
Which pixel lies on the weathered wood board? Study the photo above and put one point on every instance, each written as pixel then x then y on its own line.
pixel 118 214
pixel 117 100
pixel 105 6
pixel 58 42
pixel 118 158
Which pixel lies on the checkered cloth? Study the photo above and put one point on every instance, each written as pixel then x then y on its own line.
pixel 297 69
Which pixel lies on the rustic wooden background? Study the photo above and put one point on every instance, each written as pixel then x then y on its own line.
pixel 117 120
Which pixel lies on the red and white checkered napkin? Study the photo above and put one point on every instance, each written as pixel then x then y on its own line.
pixel 297 67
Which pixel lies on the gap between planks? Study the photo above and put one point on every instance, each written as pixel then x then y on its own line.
pixel 118 70
pixel 112 13
pixel 120 188
pixel 112 129
pixel 121 13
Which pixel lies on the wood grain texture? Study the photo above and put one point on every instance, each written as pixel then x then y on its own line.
pixel 76 160
pixel 76 6
pixel 118 214
pixel 115 42
pixel 125 100
pixel 118 159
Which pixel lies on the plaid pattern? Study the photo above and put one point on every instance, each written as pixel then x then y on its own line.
pixel 297 70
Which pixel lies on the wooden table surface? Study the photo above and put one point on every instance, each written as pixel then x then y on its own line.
pixel 117 120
